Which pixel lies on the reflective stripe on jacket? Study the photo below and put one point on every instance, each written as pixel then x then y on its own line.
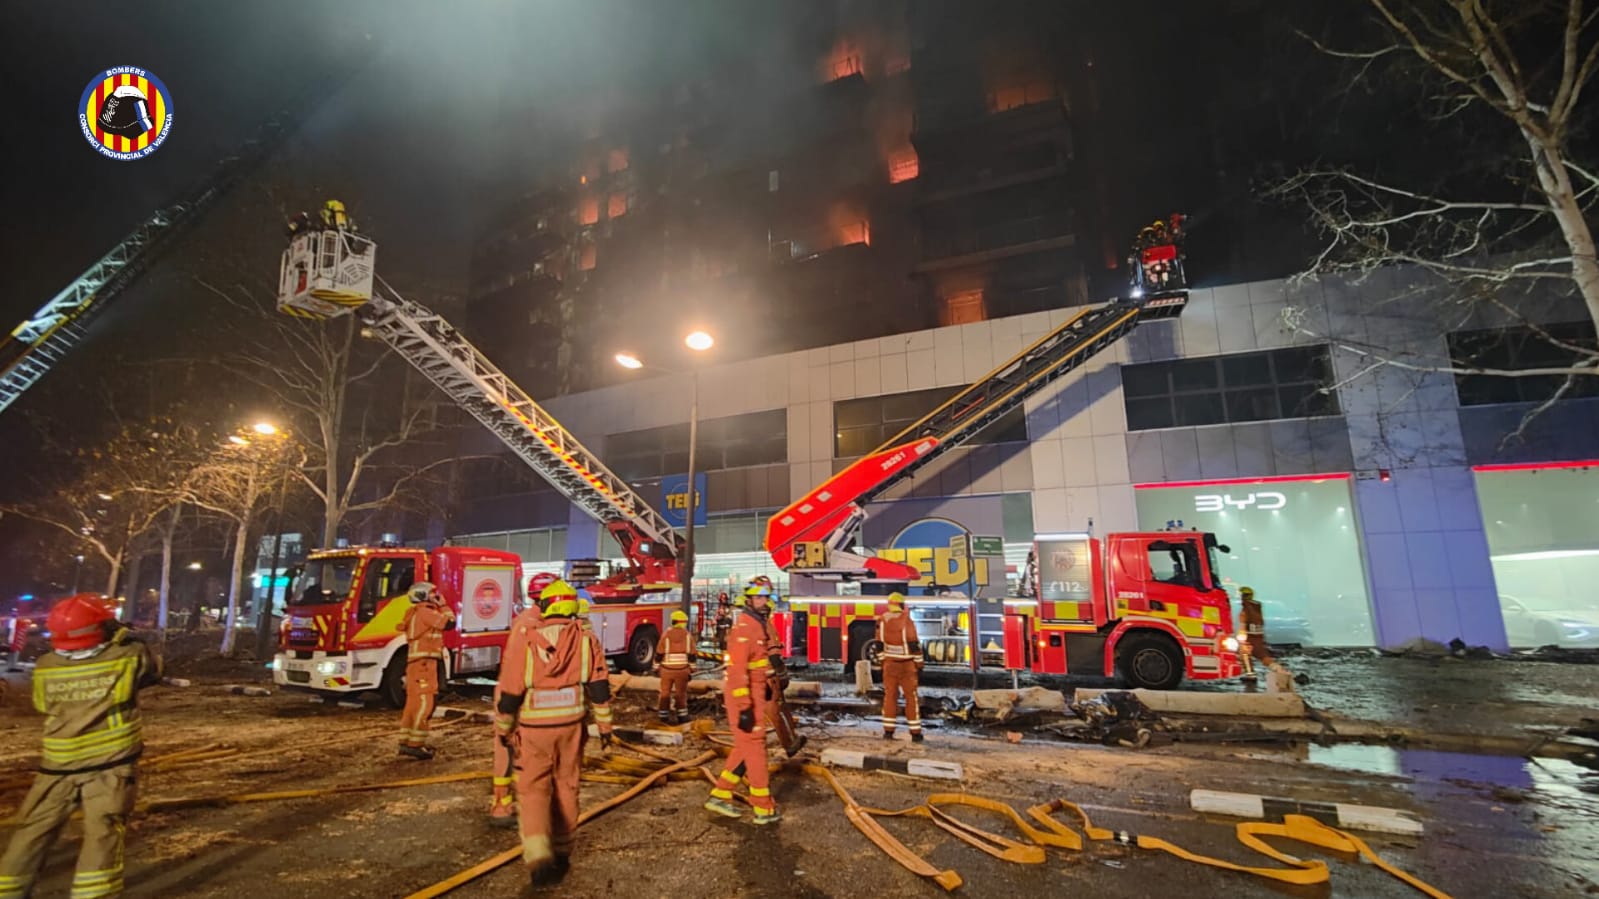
pixel 674 648
pixel 897 632
pixel 746 656
pixel 423 626
pixel 549 663
pixel 91 706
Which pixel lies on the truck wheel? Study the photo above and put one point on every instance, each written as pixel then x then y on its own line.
pixel 1150 661
pixel 640 656
pixel 392 688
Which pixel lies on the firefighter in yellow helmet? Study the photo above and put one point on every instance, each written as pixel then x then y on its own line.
pixel 334 216
pixel 745 694
pixel 87 687
pixel 674 662
pixel 552 675
pixel 426 619
pixel 902 667
pixel 1253 620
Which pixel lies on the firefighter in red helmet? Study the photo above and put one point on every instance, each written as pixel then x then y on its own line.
pixel 88 687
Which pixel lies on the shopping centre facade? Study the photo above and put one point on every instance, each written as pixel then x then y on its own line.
pixel 1367 503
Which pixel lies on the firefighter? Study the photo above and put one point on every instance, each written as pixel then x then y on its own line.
pixel 424 625
pixel 744 692
pixel 902 667
pixel 552 676
pixel 1253 621
pixel 502 807
pixel 334 216
pixel 724 621
pixel 675 665
pixel 88 689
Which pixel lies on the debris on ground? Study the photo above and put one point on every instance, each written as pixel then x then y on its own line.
pixel 1418 647
pixel 1118 718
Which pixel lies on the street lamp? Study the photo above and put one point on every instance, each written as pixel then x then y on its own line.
pixel 699 342
pixel 264 428
pixel 195 566
pixel 263 615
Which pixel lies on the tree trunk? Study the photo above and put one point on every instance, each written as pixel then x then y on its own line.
pixel 116 572
pixel 241 539
pixel 1562 198
pixel 168 534
pixel 130 586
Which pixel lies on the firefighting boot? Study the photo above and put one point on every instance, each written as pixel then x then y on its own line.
pixel 916 736
pixel 766 816
pixel 420 753
pixel 550 873
pixel 723 807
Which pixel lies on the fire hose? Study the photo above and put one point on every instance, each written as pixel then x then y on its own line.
pixel 510 855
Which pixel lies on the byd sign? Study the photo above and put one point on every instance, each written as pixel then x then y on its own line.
pixel 1267 501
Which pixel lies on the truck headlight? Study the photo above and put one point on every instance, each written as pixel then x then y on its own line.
pixel 1230 644
pixel 329 667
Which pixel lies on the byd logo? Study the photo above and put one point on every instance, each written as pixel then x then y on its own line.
pixel 1219 502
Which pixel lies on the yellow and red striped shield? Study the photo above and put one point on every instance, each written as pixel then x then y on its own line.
pixel 125 113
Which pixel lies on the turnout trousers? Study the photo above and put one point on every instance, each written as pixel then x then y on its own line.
pixel 674 689
pixel 421 693
pixel 747 762
pixel 548 762
pixel 106 797
pixel 900 678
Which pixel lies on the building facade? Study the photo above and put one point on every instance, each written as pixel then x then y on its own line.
pixel 1367 503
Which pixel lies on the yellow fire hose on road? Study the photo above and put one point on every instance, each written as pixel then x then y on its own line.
pixel 510 855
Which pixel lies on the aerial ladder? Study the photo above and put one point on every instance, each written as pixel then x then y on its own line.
pixel 816 534
pixel 328 272
pixel 42 340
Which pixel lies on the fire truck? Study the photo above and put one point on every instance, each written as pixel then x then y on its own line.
pixel 327 272
pixel 342 630
pixel 1149 607
pixel 813 539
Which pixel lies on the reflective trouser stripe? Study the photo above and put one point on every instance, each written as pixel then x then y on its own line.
pixel 503 781
pixel 760 791
pixel 92 884
pixel 12 887
pixel 720 793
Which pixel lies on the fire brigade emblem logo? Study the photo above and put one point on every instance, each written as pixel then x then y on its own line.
pixel 125 113
pixel 1063 560
pixel 487 599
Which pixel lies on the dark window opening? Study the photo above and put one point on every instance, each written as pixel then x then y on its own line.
pixel 862 425
pixel 737 441
pixel 1521 349
pixel 1285 383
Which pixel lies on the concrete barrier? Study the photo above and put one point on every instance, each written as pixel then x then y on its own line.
pixel 1240 705
pixel 1337 814
pixel 917 767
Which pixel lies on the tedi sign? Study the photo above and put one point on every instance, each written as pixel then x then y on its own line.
pixel 937 548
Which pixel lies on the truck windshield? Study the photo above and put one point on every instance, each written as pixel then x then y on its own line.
pixel 324 581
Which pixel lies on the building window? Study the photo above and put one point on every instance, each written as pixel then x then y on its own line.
pixel 1286 383
pixel 586 259
pixel 737 441
pixel 616 160
pixel 903 165
pixel 1520 349
pixel 863 425
pixel 963 308
pixel 616 207
pixel 588 210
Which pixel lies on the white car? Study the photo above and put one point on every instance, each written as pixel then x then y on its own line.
pixel 1532 622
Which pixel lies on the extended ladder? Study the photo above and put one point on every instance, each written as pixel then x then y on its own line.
pixel 833 512
pixel 455 366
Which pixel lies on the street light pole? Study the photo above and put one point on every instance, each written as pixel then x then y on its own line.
pixel 686 568
pixel 263 618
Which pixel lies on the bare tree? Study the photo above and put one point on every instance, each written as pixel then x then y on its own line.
pixel 118 489
pixel 1518 235
pixel 237 482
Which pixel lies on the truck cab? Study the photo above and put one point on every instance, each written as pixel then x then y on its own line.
pixel 342 628
pixel 1146 607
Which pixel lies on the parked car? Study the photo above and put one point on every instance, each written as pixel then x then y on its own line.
pixel 1534 621
pixel 1285 627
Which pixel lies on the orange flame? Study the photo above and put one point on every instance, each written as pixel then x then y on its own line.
pixel 903 165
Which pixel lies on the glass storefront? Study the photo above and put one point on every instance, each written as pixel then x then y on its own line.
pixel 1542 524
pixel 1295 541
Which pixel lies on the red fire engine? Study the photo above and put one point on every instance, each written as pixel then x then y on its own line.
pixel 1149 607
pixel 813 538
pixel 330 272
pixel 342 631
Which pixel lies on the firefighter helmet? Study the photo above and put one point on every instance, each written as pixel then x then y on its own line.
pixel 423 591
pixel 896 601
pixel 557 590
pixel 582 607
pixel 1247 594
pixel 537 583
pixel 680 617
pixel 561 608
pixel 78 622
